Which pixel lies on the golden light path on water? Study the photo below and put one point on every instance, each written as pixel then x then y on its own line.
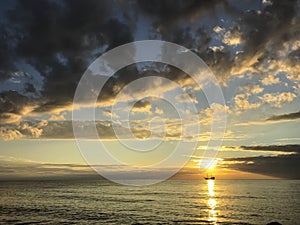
pixel 211 203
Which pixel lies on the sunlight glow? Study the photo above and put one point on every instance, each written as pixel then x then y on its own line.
pixel 208 163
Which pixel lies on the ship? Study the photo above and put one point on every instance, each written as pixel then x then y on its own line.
pixel 209 178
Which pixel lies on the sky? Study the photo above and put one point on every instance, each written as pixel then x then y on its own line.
pixel 252 47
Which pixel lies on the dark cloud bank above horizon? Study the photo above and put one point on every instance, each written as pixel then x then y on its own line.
pixel 282 165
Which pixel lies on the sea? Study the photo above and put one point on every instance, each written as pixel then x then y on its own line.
pixel 169 202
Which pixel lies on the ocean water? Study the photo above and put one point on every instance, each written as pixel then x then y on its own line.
pixel 170 202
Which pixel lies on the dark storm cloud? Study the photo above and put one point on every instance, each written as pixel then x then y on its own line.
pixel 11 102
pixel 48 27
pixel 131 73
pixel 57 38
pixel 289 116
pixel 60 39
pixel 168 11
pixel 13 105
pixel 169 17
pixel 264 32
pixel 5 56
pixel 261 32
pixel 275 23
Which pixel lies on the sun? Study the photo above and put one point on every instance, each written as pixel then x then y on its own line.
pixel 207 164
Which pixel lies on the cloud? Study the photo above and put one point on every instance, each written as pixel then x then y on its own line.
pixel 142 107
pixel 227 136
pixel 23 130
pixel 217 109
pixel 263 40
pixel 29 85
pixel 292 62
pixel 35 132
pixel 232 37
pixel 278 100
pixel 218 29
pixel 297 88
pixel 169 12
pixel 242 103
pixel 54 46
pixel 13 106
pixel 277 148
pixel 187 98
pixel 10 134
pixel 159 111
pixel 289 116
pixel 271 79
pixel 273 119
pixel 63 129
pixel 253 89
pixel 282 166
pixel 57 117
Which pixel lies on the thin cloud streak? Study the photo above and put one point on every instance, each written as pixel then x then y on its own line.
pixel 289 116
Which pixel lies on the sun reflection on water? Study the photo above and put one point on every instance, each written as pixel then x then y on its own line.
pixel 210 188
pixel 211 203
